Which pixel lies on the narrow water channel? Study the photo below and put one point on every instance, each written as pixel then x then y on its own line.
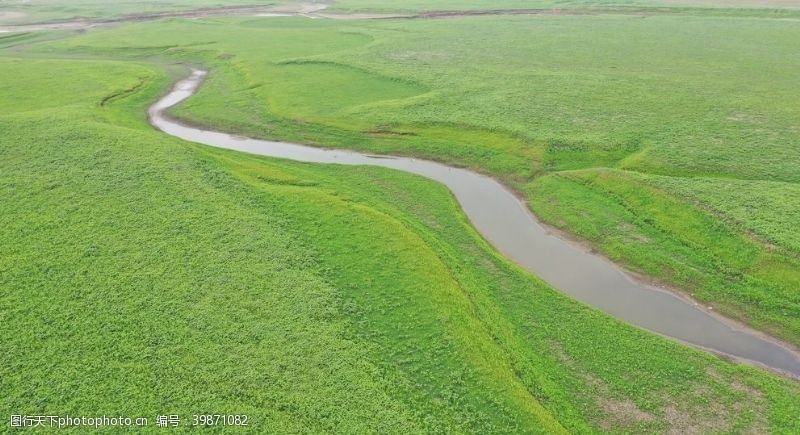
pixel 509 225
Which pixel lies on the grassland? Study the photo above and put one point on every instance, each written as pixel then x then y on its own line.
pixel 36 11
pixel 144 275
pixel 416 5
pixel 682 166
pixel 15 12
pixel 786 9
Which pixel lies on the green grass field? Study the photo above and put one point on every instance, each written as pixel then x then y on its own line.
pixel 549 104
pixel 143 275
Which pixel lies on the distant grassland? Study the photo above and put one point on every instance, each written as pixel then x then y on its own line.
pixel 37 11
pixel 142 275
pixel 671 144
pixel 566 4
pixel 27 11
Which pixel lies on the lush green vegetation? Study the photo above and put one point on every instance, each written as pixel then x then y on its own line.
pixel 698 234
pixel 142 275
pixel 544 102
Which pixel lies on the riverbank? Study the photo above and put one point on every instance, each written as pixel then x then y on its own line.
pixel 507 224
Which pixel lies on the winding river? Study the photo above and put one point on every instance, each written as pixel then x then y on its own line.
pixel 507 223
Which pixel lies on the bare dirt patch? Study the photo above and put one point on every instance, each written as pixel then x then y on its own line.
pixel 617 412
pixel 622 413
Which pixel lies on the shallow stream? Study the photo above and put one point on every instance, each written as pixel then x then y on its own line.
pixel 506 222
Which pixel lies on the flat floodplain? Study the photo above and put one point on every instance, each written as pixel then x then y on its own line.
pixel 574 104
pixel 153 275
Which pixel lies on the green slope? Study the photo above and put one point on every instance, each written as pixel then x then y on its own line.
pixel 152 276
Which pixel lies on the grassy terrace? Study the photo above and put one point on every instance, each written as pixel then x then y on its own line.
pixel 142 275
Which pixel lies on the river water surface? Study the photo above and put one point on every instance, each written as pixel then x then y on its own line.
pixel 508 224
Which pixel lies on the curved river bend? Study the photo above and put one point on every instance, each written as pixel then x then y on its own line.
pixel 508 224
